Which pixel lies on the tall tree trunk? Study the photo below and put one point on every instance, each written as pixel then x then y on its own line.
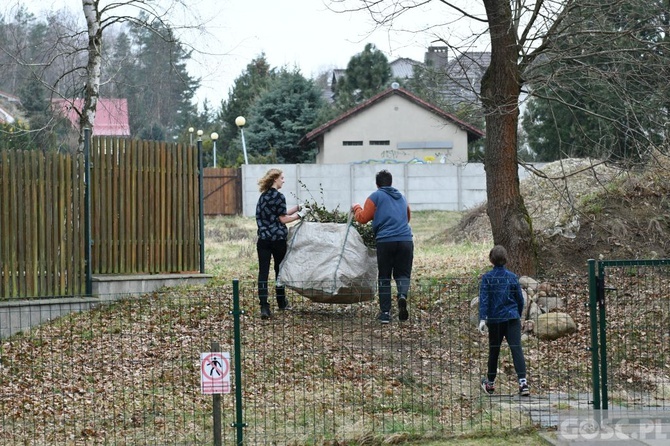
pixel 93 67
pixel 501 86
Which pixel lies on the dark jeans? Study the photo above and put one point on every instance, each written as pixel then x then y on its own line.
pixel 510 330
pixel 268 250
pixel 394 259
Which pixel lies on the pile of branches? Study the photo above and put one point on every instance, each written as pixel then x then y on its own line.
pixel 319 213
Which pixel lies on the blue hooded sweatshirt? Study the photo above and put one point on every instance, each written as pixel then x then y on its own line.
pixel 391 220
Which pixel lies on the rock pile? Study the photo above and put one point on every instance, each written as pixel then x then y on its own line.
pixel 543 312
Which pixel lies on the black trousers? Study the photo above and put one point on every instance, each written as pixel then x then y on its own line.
pixel 269 250
pixel 510 330
pixel 394 260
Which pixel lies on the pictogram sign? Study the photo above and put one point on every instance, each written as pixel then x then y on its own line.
pixel 215 372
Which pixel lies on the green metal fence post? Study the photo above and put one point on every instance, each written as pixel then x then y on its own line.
pixel 201 206
pixel 87 211
pixel 593 316
pixel 216 406
pixel 603 335
pixel 239 413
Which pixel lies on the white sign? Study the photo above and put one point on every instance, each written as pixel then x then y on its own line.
pixel 215 372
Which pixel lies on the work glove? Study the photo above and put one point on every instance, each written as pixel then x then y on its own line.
pixel 304 211
pixel 482 326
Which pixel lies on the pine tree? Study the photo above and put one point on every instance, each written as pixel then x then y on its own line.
pixel 246 90
pixel 282 115
pixel 160 91
pixel 367 74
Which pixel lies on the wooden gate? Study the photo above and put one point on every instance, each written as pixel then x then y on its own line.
pixel 222 189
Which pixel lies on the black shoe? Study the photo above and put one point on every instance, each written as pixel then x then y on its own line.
pixel 403 314
pixel 283 304
pixel 384 318
pixel 265 312
pixel 524 390
pixel 488 386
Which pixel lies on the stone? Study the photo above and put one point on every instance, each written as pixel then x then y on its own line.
pixel 550 326
pixel 474 310
pixel 529 283
pixel 534 312
pixel 527 327
pixel 550 303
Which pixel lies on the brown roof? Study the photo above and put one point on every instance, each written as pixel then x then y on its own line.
pixel 9 97
pixel 473 132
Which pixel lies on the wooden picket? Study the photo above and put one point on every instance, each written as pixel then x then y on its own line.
pixel 145 207
pixel 41 245
pixel 222 192
pixel 144 215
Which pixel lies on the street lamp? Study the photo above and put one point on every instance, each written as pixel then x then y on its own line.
pixel 214 137
pixel 190 134
pixel 240 122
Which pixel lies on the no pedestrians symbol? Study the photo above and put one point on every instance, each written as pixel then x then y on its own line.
pixel 215 372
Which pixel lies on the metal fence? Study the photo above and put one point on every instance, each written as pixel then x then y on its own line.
pixel 128 372
pixel 630 308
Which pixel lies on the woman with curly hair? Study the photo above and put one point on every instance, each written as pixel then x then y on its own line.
pixel 271 218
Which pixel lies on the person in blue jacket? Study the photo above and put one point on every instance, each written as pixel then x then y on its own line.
pixel 500 309
pixel 390 215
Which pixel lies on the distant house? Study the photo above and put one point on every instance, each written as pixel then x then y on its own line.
pixel 403 68
pixel 9 98
pixel 460 76
pixel 463 77
pixel 8 107
pixel 328 92
pixel 111 115
pixel 393 126
pixel 5 116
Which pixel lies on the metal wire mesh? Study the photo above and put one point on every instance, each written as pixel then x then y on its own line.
pixel 127 371
pixel 637 334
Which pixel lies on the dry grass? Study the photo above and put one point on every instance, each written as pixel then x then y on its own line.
pixel 145 388
pixel 231 248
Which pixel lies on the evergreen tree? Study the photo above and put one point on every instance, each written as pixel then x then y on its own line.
pixel 367 74
pixel 20 39
pixel 246 89
pixel 160 91
pixel 119 68
pixel 281 116
pixel 15 137
pixel 591 94
pixel 39 114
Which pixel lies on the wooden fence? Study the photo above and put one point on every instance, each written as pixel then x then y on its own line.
pixel 144 215
pixel 42 224
pixel 145 207
pixel 222 191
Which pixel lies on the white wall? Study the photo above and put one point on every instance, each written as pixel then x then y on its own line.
pixel 413 132
pixel 449 187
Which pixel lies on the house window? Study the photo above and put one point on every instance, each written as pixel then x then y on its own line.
pixel 352 143
pixel 384 142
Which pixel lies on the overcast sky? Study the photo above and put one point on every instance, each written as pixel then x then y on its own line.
pixel 302 33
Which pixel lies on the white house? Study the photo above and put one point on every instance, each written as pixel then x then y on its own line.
pixel 393 126
pixel 403 68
